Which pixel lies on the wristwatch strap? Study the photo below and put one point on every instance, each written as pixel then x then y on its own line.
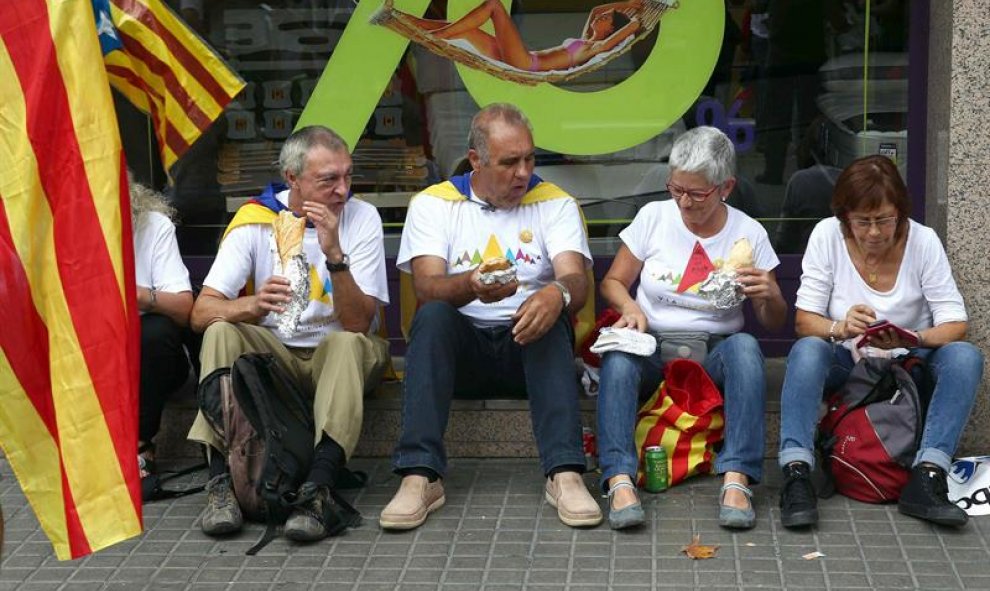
pixel 343 265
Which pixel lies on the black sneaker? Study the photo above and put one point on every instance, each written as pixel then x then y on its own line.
pixel 926 496
pixel 223 514
pixel 316 515
pixel 798 502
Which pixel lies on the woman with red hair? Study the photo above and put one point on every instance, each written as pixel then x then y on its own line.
pixel 872 262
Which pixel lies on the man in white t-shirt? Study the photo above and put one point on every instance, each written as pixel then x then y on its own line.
pixel 490 340
pixel 332 353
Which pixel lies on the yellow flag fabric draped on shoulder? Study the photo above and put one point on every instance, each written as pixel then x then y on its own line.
pixel 69 337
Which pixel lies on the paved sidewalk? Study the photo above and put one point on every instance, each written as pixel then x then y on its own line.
pixel 497 533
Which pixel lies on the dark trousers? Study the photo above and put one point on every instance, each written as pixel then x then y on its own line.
pixel 164 368
pixel 448 355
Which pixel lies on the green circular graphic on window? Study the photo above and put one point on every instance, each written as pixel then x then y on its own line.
pixel 496 66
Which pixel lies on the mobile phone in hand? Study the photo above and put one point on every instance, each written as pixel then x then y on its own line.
pixel 878 325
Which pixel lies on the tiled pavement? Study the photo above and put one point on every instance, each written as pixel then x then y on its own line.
pixel 497 533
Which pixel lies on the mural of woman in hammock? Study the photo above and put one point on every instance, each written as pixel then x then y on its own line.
pixel 609 31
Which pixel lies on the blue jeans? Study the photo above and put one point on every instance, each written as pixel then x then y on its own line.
pixel 814 366
pixel 735 365
pixel 448 355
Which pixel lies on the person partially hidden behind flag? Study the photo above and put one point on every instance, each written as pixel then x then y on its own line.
pixel 498 260
pixel 328 348
pixel 164 299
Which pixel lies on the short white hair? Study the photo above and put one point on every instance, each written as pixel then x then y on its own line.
pixel 706 151
pixel 292 158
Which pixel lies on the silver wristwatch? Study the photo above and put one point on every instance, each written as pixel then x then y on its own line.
pixel 564 292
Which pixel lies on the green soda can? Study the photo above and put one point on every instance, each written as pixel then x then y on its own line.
pixel 657 478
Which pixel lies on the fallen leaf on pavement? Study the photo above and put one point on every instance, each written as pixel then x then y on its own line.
pixel 697 551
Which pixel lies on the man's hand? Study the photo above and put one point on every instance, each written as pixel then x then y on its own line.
pixel 495 292
pixel 272 297
pixel 327 224
pixel 536 315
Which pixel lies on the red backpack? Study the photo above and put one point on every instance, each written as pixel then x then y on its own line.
pixel 872 429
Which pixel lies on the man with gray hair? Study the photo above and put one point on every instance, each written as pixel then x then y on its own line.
pixel 489 335
pixel 331 352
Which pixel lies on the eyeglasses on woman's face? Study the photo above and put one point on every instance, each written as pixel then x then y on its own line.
pixel 864 223
pixel 697 195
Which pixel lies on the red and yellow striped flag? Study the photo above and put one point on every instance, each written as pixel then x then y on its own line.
pixel 68 317
pixel 165 69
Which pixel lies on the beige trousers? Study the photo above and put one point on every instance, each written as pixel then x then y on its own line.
pixel 337 373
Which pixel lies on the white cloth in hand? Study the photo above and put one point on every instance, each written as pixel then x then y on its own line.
pixel 626 340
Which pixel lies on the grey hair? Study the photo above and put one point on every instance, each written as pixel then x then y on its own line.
pixel 481 125
pixel 706 151
pixel 144 201
pixel 292 158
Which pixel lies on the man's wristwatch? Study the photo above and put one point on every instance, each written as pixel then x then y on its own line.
pixel 564 292
pixel 343 265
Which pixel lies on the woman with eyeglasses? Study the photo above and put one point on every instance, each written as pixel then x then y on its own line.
pixel 871 262
pixel 670 248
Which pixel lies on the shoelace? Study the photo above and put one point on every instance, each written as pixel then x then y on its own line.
pixel 220 489
pixel 308 501
pixel 936 486
pixel 798 490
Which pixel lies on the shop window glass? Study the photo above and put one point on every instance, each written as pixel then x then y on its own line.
pixel 803 87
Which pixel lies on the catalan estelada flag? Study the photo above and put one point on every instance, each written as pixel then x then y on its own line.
pixel 68 316
pixel 685 416
pixel 165 70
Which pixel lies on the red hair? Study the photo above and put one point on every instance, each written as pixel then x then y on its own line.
pixel 866 185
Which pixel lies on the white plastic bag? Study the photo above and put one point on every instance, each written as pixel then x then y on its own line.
pixel 969 484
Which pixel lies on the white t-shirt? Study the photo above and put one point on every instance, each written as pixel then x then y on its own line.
pixel 464 234
pixel 249 252
pixel 157 262
pixel 676 262
pixel 924 293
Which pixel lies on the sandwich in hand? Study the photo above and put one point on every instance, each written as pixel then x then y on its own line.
pixel 722 288
pixel 496 270
pixel 288 236
pixel 289 232
pixel 740 255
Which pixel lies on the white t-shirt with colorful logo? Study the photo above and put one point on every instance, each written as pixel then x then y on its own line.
pixel 464 234
pixel 249 252
pixel 676 262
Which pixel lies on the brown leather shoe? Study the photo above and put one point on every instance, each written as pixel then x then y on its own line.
pixel 416 498
pixel 575 507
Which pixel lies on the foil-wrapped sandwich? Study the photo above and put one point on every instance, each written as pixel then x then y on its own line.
pixel 496 270
pixel 721 288
pixel 288 235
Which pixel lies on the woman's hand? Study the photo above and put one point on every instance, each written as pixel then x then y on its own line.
pixel 858 318
pixel 143 298
pixel 757 284
pixel 889 339
pixel 631 317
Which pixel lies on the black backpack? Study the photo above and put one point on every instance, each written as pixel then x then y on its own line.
pixel 267 424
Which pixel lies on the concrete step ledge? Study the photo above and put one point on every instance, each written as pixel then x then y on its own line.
pixel 477 428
